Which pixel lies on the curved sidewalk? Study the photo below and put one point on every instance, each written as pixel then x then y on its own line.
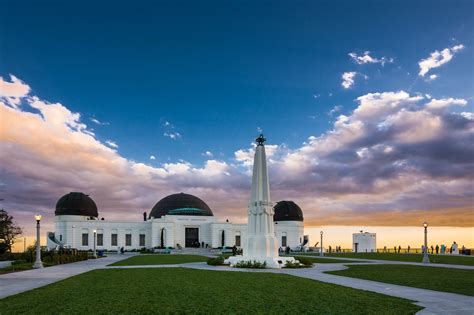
pixel 17 282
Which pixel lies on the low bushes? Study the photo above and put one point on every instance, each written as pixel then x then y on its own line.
pixel 251 264
pixel 216 261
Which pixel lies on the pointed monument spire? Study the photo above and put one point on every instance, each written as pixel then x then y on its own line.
pixel 261 243
pixel 260 183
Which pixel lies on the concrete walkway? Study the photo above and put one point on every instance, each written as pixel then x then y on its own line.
pixel 391 262
pixel 17 282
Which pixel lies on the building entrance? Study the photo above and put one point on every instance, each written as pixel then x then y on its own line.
pixel 192 237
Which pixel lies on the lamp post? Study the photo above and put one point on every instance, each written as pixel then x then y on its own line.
pixel 95 235
pixel 38 263
pixel 426 259
pixel 321 251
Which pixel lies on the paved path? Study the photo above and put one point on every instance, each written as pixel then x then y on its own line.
pixel 17 282
pixel 392 262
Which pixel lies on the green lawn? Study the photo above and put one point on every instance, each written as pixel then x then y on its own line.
pixel 181 290
pixel 436 259
pixel 439 279
pixel 160 259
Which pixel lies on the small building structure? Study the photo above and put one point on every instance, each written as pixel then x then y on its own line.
pixel 364 242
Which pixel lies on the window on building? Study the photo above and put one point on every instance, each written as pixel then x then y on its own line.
pixel 114 240
pixel 237 240
pixel 128 239
pixel 85 239
pixel 283 241
pixel 100 239
pixel 142 239
pixel 60 238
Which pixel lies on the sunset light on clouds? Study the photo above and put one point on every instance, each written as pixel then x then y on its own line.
pixel 397 151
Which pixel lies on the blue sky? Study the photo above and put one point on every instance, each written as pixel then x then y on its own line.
pixel 367 106
pixel 217 72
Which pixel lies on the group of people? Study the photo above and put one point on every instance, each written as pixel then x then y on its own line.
pixel 443 249
pixel 285 250
pixel 337 250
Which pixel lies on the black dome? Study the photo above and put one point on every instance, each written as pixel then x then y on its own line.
pixel 76 203
pixel 180 204
pixel 287 211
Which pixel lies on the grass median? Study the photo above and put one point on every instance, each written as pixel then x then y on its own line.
pixel 160 259
pixel 459 281
pixel 181 290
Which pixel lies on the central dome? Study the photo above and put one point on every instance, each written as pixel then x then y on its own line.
pixel 180 204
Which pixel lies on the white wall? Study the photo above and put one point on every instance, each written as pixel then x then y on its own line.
pixel 294 231
pixel 70 229
pixel 366 242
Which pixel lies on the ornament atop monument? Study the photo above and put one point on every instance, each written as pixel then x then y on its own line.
pixel 260 140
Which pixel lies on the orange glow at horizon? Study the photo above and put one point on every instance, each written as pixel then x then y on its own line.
pixel 342 236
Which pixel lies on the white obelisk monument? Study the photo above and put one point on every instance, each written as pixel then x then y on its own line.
pixel 261 243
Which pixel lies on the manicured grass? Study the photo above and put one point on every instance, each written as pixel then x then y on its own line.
pixel 327 260
pixel 436 259
pixel 160 259
pixel 181 290
pixel 439 279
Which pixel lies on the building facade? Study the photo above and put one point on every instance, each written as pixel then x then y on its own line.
pixel 178 220
pixel 364 242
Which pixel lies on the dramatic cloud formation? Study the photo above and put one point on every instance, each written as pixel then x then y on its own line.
pixel 366 58
pixel 395 153
pixel 437 59
pixel 348 79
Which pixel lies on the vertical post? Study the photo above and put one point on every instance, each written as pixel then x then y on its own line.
pixel 38 263
pixel 321 253
pixel 426 259
pixel 95 235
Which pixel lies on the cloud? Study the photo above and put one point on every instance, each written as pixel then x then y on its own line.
pixel 112 144
pixel 152 157
pixel 98 122
pixel 335 109
pixel 366 58
pixel 437 59
pixel 394 153
pixel 208 154
pixel 12 92
pixel 432 77
pixel 172 135
pixel 348 79
pixel 445 102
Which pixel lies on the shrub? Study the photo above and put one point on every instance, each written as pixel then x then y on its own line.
pixel 216 261
pixel 251 264
pixel 305 261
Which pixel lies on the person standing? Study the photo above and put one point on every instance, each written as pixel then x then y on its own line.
pixel 408 249
pixel 437 249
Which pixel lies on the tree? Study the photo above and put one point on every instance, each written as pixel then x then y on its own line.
pixel 9 231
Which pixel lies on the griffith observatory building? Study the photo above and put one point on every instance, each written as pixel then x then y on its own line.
pixel 176 219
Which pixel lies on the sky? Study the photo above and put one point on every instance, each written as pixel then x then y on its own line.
pixel 367 107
